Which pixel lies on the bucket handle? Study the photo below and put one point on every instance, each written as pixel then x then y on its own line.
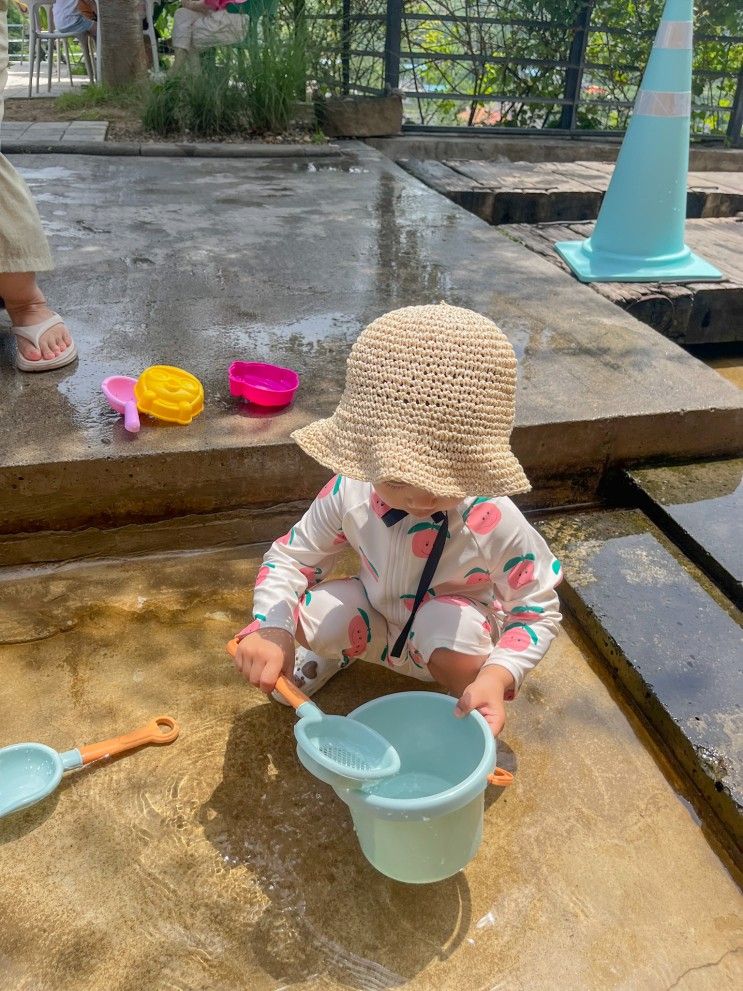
pixel 500 778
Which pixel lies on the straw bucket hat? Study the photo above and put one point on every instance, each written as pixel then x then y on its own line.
pixel 429 400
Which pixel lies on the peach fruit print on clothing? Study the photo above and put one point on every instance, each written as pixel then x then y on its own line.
pixel 424 537
pixel 378 505
pixel 332 487
pixel 520 571
pixel 359 635
pixel 263 572
pixel 483 516
pixel 518 637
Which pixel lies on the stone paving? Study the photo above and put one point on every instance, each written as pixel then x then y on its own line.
pixel 51 132
pixel 17 84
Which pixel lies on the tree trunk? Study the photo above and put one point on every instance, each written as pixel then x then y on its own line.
pixel 123 54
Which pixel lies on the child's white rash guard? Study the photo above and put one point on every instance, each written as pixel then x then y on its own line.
pixel 492 557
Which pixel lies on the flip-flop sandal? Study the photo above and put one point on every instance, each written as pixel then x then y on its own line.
pixel 34 334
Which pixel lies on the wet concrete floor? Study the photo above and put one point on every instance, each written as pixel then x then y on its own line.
pixel 198 262
pixel 218 863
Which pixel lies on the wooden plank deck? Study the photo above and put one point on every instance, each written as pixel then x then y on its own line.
pixel 689 313
pixel 530 193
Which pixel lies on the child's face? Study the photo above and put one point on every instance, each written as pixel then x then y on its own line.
pixel 417 502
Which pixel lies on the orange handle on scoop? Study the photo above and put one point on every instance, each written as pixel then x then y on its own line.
pixel 149 733
pixel 287 688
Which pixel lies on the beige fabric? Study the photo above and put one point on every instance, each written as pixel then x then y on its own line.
pixel 23 246
pixel 196 32
pixel 429 400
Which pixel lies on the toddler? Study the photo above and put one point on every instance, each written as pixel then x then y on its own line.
pixel 454 585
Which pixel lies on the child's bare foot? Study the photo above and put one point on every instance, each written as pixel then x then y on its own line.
pixel 54 341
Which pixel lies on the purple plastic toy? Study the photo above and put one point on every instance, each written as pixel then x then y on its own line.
pixel 264 385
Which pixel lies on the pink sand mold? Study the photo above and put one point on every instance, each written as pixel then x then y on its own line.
pixel 119 391
pixel 264 385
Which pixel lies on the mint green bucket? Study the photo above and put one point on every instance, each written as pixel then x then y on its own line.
pixel 425 823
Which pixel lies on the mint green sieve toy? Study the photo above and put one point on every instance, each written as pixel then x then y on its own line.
pixel 339 751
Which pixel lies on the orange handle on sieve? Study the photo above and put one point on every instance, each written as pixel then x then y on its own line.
pixel 500 778
pixel 286 687
pixel 149 733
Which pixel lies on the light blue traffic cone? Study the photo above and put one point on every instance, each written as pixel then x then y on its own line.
pixel 639 233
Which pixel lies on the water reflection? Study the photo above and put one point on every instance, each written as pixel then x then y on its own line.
pixel 325 909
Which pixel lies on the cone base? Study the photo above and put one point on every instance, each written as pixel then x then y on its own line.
pixel 592 266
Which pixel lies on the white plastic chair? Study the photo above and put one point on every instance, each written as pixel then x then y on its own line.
pixel 151 36
pixel 53 38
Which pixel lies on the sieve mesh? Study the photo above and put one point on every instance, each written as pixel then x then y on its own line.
pixel 345 756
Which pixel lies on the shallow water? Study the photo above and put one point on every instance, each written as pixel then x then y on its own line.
pixel 726 359
pixel 413 784
pixel 217 862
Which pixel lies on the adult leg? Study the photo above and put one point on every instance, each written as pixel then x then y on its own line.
pixel 27 308
pixel 23 248
pixel 217 29
pixel 185 23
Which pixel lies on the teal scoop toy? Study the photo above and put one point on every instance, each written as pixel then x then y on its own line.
pixel 31 771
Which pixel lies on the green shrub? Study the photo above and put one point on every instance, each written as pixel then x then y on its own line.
pixel 161 108
pixel 271 71
pixel 249 87
pixel 205 104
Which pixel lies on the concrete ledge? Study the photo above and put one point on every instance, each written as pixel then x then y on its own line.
pixel 537 147
pixel 104 492
pixel 565 463
pixel 195 269
pixel 191 532
pixel 700 507
pixel 166 150
pixel 673 643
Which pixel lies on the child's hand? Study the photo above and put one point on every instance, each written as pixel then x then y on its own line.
pixel 262 656
pixel 486 695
